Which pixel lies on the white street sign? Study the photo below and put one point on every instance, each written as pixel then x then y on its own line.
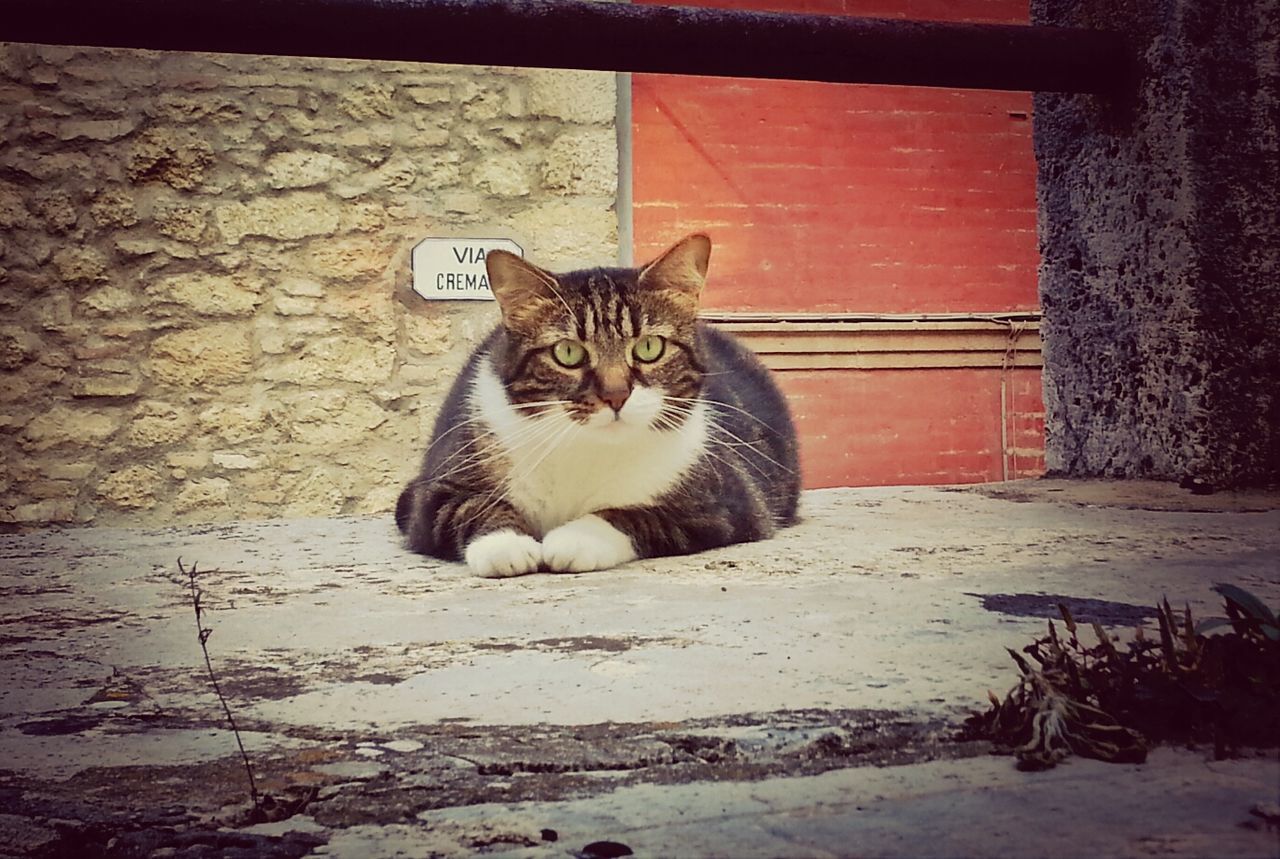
pixel 454 268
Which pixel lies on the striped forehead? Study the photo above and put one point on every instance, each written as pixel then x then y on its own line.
pixel 607 311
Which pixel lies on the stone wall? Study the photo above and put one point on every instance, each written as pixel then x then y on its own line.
pixel 1160 243
pixel 205 310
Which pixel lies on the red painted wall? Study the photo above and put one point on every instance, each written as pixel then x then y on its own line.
pixel 858 199
pixel 886 427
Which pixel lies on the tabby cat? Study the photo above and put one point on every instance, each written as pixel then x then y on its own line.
pixel 599 423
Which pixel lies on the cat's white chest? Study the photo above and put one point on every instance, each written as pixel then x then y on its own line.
pixel 560 472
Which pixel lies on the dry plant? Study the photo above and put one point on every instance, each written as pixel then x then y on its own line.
pixel 1217 681
pixel 264 807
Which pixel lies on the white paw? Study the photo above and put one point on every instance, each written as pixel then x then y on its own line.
pixel 589 543
pixel 504 553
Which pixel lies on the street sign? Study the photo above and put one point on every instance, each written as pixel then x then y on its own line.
pixel 445 268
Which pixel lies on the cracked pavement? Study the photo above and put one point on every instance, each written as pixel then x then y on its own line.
pixel 795 697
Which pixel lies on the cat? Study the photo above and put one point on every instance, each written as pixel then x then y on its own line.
pixel 602 422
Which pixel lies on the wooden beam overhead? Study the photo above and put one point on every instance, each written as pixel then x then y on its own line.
pixel 593 35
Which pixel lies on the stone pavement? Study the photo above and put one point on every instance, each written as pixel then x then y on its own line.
pixel 796 697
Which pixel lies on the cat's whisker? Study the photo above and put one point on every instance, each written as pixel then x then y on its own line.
pixel 744 443
pixel 490 449
pixel 729 464
pixel 491 452
pixel 540 403
pixel 714 403
pixel 666 423
pixel 477 440
pixel 546 442
pixel 529 435
pixel 673 411
pixel 550 446
pixel 476 419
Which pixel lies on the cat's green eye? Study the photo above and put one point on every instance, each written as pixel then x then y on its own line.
pixel 649 348
pixel 569 353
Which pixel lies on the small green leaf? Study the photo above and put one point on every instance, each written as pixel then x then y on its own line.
pixel 1248 603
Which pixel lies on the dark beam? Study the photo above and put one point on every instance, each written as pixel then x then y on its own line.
pixel 590 35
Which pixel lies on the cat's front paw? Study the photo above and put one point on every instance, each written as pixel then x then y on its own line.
pixel 504 553
pixel 588 543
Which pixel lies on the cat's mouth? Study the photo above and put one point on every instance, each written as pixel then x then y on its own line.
pixel 607 419
pixel 642 411
pixel 612 424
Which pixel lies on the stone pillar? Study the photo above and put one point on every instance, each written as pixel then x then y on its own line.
pixel 1160 245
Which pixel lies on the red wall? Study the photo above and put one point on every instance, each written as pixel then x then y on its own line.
pixel 886 427
pixel 857 199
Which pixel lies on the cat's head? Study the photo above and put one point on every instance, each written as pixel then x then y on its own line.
pixel 613 349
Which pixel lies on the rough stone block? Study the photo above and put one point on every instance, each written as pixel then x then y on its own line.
pixel 184 223
pixel 97 130
pixel 576 96
pixel 157 423
pixel 49 510
pixel 294 216
pixel 330 418
pixel 106 386
pixel 214 107
pixel 583 163
pixel 368 101
pixel 68 471
pixel 485 106
pixel 80 265
pixel 427 333
pixel 57 210
pixel 13 207
pixel 42 488
pixel 303 169
pixel 502 176
pixel 233 461
pixel 318 494
pixel 341 358
pixel 237 423
pixel 189 460
pixel 571 233
pixel 154 247
pixel 114 208
pixel 210 294
pixel 132 488
pixel 209 356
pixel 58 166
pixel 363 218
pixel 301 287
pixel 108 301
pixel 179 158
pixel 348 259
pixel 64 425
pixel 428 95
pixel 17 346
pixel 288 305
pixel 203 496
pixel 465 203
pixel 397 174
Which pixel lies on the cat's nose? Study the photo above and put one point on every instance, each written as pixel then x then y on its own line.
pixel 615 398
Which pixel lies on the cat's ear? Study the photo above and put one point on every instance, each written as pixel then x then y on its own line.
pixel 682 269
pixel 526 294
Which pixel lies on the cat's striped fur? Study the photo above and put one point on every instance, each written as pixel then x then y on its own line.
pixel 547 457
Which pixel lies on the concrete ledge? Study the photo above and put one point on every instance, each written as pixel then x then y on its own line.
pixel 758 678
